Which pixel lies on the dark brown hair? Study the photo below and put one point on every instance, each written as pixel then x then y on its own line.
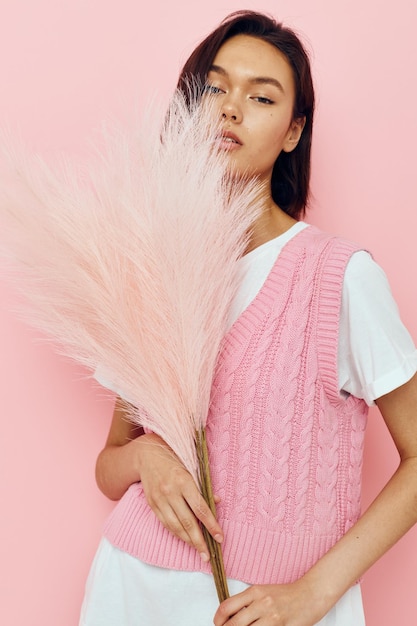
pixel 291 173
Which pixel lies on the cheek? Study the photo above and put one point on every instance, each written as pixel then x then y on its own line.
pixel 274 130
pixel 272 144
pixel 211 109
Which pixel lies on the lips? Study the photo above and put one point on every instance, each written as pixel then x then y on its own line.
pixel 228 141
pixel 229 137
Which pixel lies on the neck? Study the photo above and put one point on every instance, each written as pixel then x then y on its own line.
pixel 272 222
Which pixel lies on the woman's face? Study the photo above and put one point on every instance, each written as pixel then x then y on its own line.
pixel 251 85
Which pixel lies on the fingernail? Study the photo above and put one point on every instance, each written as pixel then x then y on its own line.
pixel 204 557
pixel 218 538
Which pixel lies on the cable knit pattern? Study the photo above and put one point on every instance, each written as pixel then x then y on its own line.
pixel 285 447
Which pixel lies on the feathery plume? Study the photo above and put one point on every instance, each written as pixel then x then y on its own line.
pixel 129 264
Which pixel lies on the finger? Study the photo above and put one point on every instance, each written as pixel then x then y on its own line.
pixel 178 518
pixel 188 521
pixel 239 607
pixel 202 512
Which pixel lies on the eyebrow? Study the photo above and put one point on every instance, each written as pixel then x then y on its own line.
pixel 256 80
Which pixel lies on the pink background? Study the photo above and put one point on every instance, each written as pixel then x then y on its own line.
pixel 64 65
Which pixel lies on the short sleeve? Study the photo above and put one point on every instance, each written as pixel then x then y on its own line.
pixel 376 352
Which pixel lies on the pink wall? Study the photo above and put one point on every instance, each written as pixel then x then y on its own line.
pixel 64 64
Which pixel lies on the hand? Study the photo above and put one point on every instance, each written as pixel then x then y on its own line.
pixel 173 495
pixel 270 605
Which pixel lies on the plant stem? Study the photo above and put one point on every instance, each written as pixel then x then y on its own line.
pixel 216 555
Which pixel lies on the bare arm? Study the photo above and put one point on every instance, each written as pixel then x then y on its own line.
pixel 389 517
pixel 117 464
pixel 392 513
pixel 129 456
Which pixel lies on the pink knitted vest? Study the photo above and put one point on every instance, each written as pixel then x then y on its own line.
pixel 285 447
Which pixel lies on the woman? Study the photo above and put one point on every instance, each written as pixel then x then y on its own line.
pixel 309 348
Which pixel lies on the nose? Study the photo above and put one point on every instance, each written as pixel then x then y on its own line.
pixel 231 110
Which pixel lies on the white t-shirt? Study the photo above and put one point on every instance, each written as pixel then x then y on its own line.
pixel 376 355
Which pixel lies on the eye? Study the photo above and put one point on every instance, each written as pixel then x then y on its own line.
pixel 212 89
pixel 263 100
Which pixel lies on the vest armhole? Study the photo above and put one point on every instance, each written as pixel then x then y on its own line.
pixel 330 289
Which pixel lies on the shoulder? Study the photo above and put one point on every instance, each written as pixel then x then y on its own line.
pixel 365 278
pixel 319 242
pixel 361 268
pixel 362 262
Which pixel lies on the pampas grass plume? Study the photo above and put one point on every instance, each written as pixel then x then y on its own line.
pixel 129 264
